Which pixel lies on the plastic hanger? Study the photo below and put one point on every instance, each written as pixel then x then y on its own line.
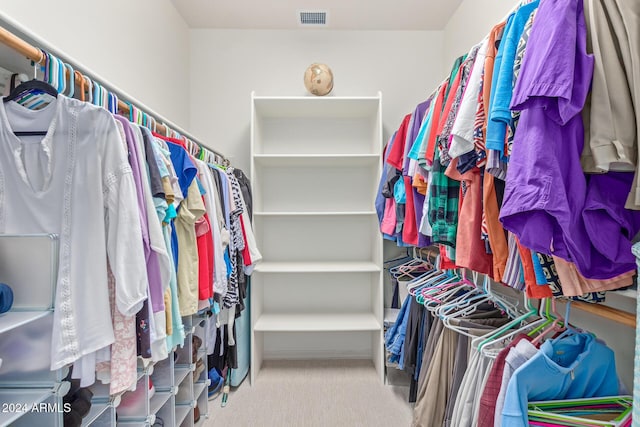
pixel 425 279
pixel 89 93
pixel 569 330
pixel 556 326
pixel 439 292
pixel 507 332
pixel 96 94
pixel 62 83
pixel 81 85
pixel 31 88
pixel 469 300
pixel 71 84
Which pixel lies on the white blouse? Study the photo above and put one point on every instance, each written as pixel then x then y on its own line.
pixel 75 182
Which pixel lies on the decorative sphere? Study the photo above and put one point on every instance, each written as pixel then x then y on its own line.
pixel 318 79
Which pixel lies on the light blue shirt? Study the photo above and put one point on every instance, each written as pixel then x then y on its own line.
pixel 502 89
pixel 495 129
pixel 574 367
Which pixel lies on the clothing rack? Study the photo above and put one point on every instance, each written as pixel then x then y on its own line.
pixel 616 315
pixel 36 55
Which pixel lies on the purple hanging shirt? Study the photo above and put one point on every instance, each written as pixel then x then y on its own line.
pixel 153 263
pixel 547 202
pixel 418 199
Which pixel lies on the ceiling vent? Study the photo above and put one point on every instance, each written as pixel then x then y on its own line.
pixel 312 18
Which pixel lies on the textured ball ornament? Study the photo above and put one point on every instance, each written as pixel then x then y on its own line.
pixel 318 79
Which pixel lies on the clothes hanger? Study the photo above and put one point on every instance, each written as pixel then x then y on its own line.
pixel 465 303
pixel 89 93
pixel 410 266
pixel 71 85
pixel 80 85
pixel 35 94
pixel 487 346
pixel 425 279
pixel 569 330
pixel 498 334
pixel 106 99
pixel 438 288
pixel 31 88
pixel 444 296
pixel 438 292
pixel 97 96
pixel 556 326
pixel 400 259
pixel 115 103
pixel 445 292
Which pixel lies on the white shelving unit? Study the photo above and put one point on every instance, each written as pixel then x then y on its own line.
pixel 177 391
pixel 315 167
pixel 25 352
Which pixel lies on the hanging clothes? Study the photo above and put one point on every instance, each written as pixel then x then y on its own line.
pixel 81 158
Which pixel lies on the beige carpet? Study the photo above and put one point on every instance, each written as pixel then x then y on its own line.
pixel 314 393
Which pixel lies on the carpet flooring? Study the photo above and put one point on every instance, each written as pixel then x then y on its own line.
pixel 314 393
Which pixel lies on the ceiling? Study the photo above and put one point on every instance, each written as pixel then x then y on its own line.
pixel 342 14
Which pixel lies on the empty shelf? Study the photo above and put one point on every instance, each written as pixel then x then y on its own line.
pixel 15 319
pixel 317 267
pixel 316 322
pixel 18 402
pixel 198 388
pixel 180 373
pixel 97 409
pixel 181 413
pixel 158 400
pixel 311 160
pixel 316 107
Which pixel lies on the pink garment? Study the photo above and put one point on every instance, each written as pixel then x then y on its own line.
pixel 122 368
pixel 575 284
pixel 388 224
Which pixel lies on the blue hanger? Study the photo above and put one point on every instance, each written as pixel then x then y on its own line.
pixel 96 94
pixel 62 82
pixel 72 80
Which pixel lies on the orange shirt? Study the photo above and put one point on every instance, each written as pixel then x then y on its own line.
pixel 435 120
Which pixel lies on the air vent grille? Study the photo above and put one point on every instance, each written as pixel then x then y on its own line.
pixel 313 18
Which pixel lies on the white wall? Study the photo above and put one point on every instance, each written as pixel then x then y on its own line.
pixel 226 65
pixel 141 47
pixel 469 24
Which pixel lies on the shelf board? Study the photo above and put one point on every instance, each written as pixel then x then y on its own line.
pixel 390 315
pixel 316 107
pixel 97 409
pixel 351 213
pixel 15 319
pixel 180 374
pixel 132 423
pixel 158 400
pixel 626 293
pixel 317 267
pixel 181 413
pixel 21 398
pixel 198 388
pixel 316 322
pixel 317 160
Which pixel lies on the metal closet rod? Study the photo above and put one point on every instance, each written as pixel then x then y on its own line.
pixel 34 54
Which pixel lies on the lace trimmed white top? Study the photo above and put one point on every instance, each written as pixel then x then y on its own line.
pixel 75 182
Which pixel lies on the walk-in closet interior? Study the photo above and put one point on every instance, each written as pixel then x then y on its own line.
pixel 303 213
